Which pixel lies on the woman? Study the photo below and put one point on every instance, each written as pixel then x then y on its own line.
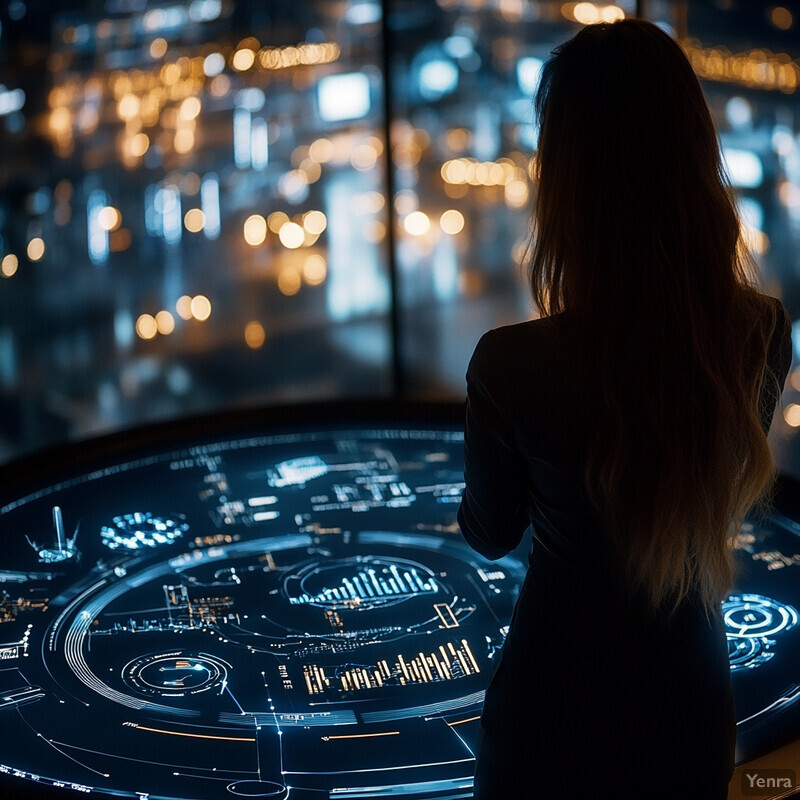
pixel 628 426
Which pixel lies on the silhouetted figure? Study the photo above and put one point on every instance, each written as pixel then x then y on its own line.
pixel 628 426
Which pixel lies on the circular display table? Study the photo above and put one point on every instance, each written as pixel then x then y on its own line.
pixel 279 604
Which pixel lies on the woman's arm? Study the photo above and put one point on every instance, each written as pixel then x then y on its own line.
pixel 492 514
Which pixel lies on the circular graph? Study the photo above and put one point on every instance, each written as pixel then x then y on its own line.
pixel 751 623
pixel 174 674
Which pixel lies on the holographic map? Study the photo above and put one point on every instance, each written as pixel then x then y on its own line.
pixel 290 615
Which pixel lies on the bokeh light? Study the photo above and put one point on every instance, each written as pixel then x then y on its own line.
pixel 201 307
pixel 781 18
pixel 184 140
pixel 194 220
pixel 321 150
pixel 184 307
pixel 128 107
pixel 9 265
pixel 314 270
pixel 158 48
pixel 417 223
pixel 291 236
pixel 190 108
pixel 255 230
pixel 452 221
pixel 213 64
pixel 35 249
pixel 792 415
pixel 139 145
pixel 109 218
pixel 276 220
pixel 315 222
pixel 165 322
pixel 243 59
pixel 254 335
pixel 146 326
pixel 289 281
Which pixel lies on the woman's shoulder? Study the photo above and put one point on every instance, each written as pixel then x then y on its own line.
pixel 526 334
pixel 506 353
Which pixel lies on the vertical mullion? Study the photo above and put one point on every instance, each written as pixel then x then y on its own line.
pixel 398 372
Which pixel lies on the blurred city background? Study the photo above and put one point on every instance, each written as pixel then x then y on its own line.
pixel 210 204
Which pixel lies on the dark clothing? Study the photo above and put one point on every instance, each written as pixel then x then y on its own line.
pixel 594 695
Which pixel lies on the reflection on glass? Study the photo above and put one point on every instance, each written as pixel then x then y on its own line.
pixel 189 229
pixel 196 213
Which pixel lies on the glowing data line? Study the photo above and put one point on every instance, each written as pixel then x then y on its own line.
pixel 383 769
pixel 462 721
pixel 194 735
pixel 228 690
pixel 461 739
pixel 781 702
pixel 58 749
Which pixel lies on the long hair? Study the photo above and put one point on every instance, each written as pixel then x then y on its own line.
pixel 636 233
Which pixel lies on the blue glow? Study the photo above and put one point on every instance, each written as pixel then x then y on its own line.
pixel 298 471
pixel 739 112
pixel 213 64
pixel 9 362
pixel 259 143
pixel 209 203
pixel 445 278
pixel 744 167
pixel 123 328
pixel 356 282
pixel 529 70
pixel 458 46
pixel 11 101
pixel 16 9
pixel 343 97
pixel 152 217
pixel 364 13
pixel 97 235
pixel 241 137
pixel 752 622
pixel 252 99
pixel 168 204
pixel 205 10
pixel 160 19
pixel 437 78
pixel 528 135
pixel 141 530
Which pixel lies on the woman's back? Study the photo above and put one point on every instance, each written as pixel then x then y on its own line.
pixel 594 688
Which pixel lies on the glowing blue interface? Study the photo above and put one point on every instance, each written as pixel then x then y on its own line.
pixel 290 616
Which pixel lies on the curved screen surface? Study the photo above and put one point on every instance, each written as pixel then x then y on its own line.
pixel 289 613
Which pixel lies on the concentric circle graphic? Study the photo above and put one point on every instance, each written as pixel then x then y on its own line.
pixel 751 623
pixel 174 674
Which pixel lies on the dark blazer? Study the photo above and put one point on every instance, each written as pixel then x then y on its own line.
pixel 591 688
